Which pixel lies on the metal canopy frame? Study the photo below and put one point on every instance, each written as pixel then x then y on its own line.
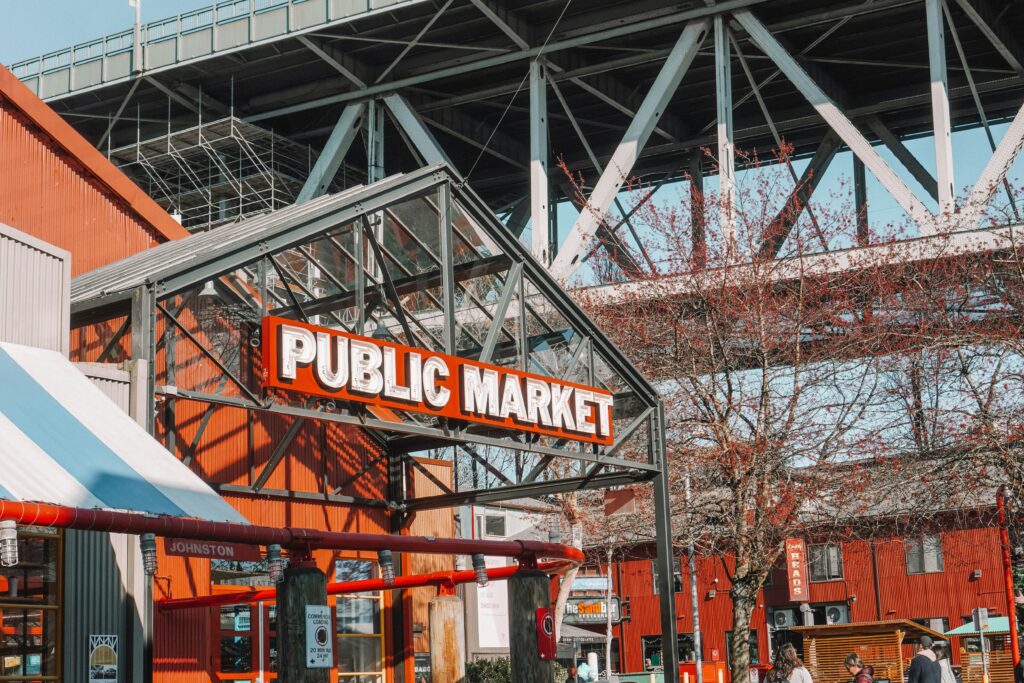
pixel 417 258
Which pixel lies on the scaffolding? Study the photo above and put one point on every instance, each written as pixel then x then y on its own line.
pixel 219 172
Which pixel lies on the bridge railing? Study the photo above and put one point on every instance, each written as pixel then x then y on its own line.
pixel 225 26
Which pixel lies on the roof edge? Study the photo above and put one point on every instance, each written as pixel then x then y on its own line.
pixel 140 203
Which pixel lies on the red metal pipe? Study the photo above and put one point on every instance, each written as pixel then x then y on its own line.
pixel 1011 603
pixel 303 540
pixel 439 579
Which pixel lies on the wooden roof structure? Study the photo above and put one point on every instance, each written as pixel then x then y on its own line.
pixel 879 644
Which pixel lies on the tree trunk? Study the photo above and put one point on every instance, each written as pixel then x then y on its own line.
pixel 743 603
pixel 566 585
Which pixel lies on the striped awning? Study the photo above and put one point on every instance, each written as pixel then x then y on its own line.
pixel 63 442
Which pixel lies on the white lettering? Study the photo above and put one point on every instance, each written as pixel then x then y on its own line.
pixel 512 398
pixel 434 368
pixel 604 414
pixel 584 411
pixel 561 413
pixel 329 375
pixel 538 398
pixel 415 377
pixel 297 346
pixel 392 389
pixel 480 391
pixel 366 375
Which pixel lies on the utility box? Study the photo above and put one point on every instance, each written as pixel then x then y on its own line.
pixel 35 284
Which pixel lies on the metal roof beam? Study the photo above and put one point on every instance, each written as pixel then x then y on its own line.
pixel 616 172
pixel 341 63
pixel 333 153
pixel 983 15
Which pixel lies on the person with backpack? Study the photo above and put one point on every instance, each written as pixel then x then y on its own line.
pixel 860 672
pixel 788 668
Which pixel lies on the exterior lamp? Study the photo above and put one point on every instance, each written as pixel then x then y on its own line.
pixel 275 563
pixel 208 290
pixel 147 542
pixel 480 567
pixel 382 332
pixel 387 566
pixel 8 543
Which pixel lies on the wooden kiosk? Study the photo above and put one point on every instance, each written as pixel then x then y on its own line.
pixel 884 645
pixel 998 651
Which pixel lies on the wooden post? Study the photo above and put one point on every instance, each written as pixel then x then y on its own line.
pixel 304 584
pixel 447 639
pixel 528 589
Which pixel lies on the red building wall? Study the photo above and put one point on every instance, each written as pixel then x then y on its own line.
pixel 950 594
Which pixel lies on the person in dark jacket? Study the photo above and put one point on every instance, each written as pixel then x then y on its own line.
pixel 923 667
pixel 860 672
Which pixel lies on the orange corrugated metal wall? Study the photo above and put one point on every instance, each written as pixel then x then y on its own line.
pixel 47 194
pixel 952 593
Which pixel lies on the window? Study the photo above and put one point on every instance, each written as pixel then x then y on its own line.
pixel 359 626
pixel 677 576
pixel 651 646
pixel 30 608
pixel 494 525
pixel 826 561
pixel 939 624
pixel 755 657
pixel 924 554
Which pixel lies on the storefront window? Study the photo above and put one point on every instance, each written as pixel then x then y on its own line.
pixel 360 629
pixel 30 610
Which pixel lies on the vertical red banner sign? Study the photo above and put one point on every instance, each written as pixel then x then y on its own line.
pixel 796 569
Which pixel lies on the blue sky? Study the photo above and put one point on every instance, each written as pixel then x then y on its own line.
pixel 33 27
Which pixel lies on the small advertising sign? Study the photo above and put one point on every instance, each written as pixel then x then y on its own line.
pixel 319 652
pixel 320 361
pixel 592 610
pixel 796 569
pixel 590 583
pixel 102 659
pixel 214 550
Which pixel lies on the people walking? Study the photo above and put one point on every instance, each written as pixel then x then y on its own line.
pixel 923 667
pixel 942 656
pixel 861 672
pixel 788 668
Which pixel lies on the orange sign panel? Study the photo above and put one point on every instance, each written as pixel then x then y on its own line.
pixel 796 569
pixel 320 361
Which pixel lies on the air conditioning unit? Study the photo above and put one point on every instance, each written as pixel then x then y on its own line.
pixel 837 614
pixel 785 618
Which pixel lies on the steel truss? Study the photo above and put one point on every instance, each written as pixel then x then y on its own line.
pixel 418 259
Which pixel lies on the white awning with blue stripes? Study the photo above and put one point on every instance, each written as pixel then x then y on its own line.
pixel 64 442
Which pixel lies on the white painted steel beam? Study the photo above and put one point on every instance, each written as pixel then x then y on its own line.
pixel 418 135
pixel 333 153
pixel 582 234
pixel 991 178
pixel 940 107
pixel 904 156
pixel 835 118
pixel 726 145
pixel 539 185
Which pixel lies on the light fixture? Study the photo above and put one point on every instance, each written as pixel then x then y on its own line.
pixel 480 567
pixel 8 543
pixel 275 563
pixel 387 566
pixel 147 542
pixel 711 594
pixel 208 290
pixel 382 332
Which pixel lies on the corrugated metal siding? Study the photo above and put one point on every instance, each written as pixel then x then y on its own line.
pixel 34 283
pixel 951 593
pixel 102 572
pixel 47 194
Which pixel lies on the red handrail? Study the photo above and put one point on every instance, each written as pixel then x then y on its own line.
pixel 443 580
pixel 299 540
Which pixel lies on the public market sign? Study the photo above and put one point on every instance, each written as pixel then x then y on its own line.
pixel 214 550
pixel 320 361
pixel 592 610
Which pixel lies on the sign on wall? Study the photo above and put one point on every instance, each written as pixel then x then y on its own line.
pixel 215 550
pixel 102 659
pixel 320 361
pixel 796 569
pixel 318 637
pixel 592 610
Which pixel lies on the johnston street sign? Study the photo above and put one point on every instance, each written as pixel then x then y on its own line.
pixel 591 610
pixel 321 361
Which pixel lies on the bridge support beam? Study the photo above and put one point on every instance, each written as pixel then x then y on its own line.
pixel 333 153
